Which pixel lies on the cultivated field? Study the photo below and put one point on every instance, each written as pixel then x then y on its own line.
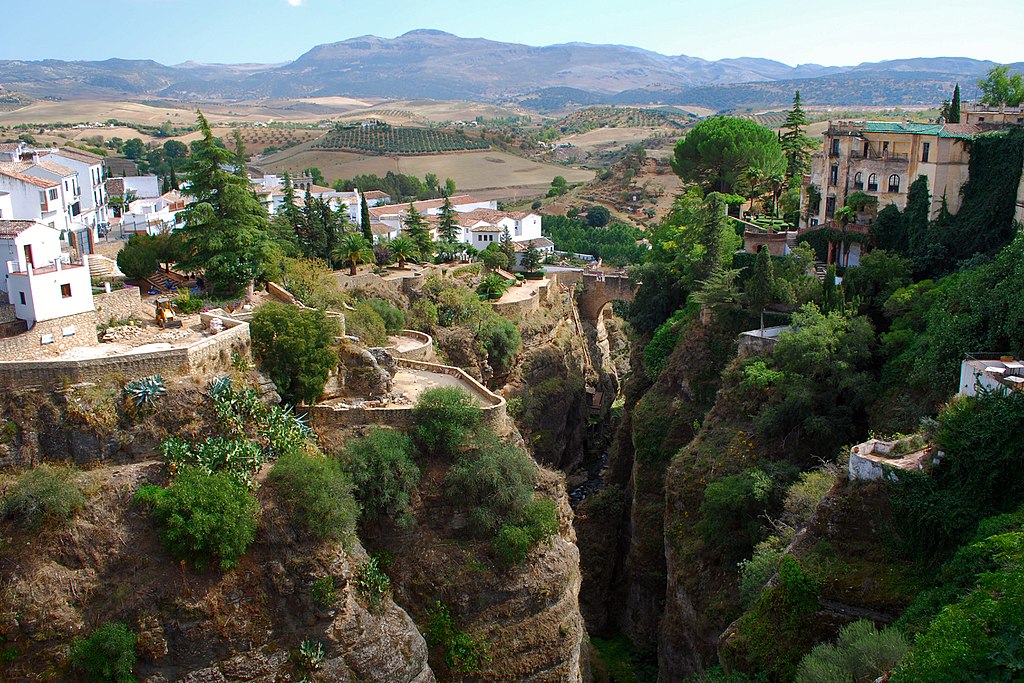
pixel 605 139
pixel 471 171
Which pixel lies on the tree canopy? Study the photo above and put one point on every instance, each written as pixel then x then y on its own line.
pixel 719 150
pixel 1000 87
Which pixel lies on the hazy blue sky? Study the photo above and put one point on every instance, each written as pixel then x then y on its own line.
pixel 791 31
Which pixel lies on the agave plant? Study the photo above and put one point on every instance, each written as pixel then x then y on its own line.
pixel 146 390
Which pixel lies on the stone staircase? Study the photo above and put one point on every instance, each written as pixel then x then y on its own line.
pixel 103 268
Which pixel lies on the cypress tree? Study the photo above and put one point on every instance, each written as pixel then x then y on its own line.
pixel 447 227
pixel 795 145
pixel 954 108
pixel 364 218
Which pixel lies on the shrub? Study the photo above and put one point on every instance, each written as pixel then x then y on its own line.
pixel 44 493
pixel 311 654
pixel 367 324
pixel 861 653
pixel 295 348
pixel 394 319
pixel 203 516
pixel 187 303
pixel 323 592
pixel 146 390
pixel 444 417
pixel 538 522
pixel 502 340
pixel 463 653
pixel 106 656
pixel 372 584
pixel 660 347
pixel 496 478
pixel 383 472
pixel 319 493
pixel 732 508
pixel 512 543
pixel 759 569
pixel 238 458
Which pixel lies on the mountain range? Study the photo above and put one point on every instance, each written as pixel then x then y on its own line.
pixel 438 65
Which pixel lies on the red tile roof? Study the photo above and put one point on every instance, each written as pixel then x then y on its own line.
pixel 14 228
pixel 423 205
pixel 31 180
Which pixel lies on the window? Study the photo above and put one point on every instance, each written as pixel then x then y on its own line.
pixel 858 181
pixel 21 295
pixel 867 149
pixel 65 291
pixel 885 150
pixel 925 149
pixel 833 175
pixel 830 207
pixel 894 183
pixel 872 183
pixel 835 147
pixel 53 193
pixel 981 119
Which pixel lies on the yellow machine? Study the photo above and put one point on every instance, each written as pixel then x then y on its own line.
pixel 165 314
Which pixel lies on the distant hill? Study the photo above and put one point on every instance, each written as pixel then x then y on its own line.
pixel 441 66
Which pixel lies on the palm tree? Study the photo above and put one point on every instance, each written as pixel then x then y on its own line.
pixel 493 286
pixel 352 249
pixel 403 249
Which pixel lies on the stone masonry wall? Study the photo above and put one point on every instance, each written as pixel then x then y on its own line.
pixel 120 304
pixel 28 344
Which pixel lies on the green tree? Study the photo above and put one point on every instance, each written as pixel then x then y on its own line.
pixel 598 216
pixel 950 110
pixel 796 146
pixel 761 285
pixel 449 187
pixel 430 180
pixel 717 152
pixel 493 257
pixel 107 655
pixel 916 225
pixel 559 186
pixel 507 246
pixel 364 219
pixel 175 150
pixel 353 249
pixel 319 493
pixel 448 227
pixel 531 258
pixel 316 175
pixel 414 226
pixel 493 286
pixel 403 249
pixel 134 149
pixel 295 348
pixel 999 87
pixel 138 258
pixel 226 227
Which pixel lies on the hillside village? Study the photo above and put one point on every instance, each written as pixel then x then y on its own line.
pixel 330 434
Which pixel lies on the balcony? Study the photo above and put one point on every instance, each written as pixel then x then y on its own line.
pixel 875 156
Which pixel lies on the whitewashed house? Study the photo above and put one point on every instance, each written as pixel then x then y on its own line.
pixel 386 219
pixel 6 206
pixel 154 216
pixel 93 209
pixel 39 280
pixel 36 198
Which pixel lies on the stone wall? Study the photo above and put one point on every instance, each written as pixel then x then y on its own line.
pixel 204 357
pixel 400 417
pixel 68 332
pixel 120 304
pixel 522 307
pixel 423 352
pixel 756 343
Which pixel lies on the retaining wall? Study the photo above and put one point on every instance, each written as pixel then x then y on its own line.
pixel 206 356
pixel 62 334
pixel 120 304
pixel 423 352
pixel 400 417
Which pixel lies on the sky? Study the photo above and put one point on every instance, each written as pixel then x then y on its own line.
pixel 272 31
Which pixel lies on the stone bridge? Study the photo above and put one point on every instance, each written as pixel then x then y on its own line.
pixel 599 290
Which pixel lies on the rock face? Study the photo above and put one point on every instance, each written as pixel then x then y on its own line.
pixel 237 625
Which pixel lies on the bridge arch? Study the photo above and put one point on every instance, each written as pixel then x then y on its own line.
pixel 599 289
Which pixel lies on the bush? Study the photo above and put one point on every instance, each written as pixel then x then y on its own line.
pixel 384 474
pixel 660 347
pixel 861 653
pixel 323 592
pixel 732 508
pixel 295 348
pixel 539 521
pixel 44 493
pixel 463 653
pixel 238 458
pixel 394 319
pixel 758 570
pixel 444 417
pixel 496 478
pixel 367 324
pixel 187 303
pixel 502 340
pixel 319 492
pixel 106 656
pixel 203 516
pixel 372 584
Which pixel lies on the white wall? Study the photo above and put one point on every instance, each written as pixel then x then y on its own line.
pixel 6 207
pixel 43 297
pixel 144 186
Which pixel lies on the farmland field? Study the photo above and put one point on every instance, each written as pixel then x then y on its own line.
pixel 385 139
pixel 499 173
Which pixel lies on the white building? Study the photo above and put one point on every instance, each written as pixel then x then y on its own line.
pixel 154 216
pixel 142 186
pixel 93 210
pixel 35 198
pixel 386 219
pixel 6 207
pixel 36 276
pixel 998 376
pixel 271 191
pixel 79 235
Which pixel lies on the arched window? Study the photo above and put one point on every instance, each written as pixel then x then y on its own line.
pixel 894 183
pixel 858 181
pixel 872 183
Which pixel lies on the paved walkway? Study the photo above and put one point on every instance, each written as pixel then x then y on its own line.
pixel 412 383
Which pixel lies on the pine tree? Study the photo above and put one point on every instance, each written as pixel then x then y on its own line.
pixel 364 219
pixel 761 286
pixel 795 145
pixel 414 226
pixel 531 258
pixel 507 246
pixel 448 228
pixel 225 226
